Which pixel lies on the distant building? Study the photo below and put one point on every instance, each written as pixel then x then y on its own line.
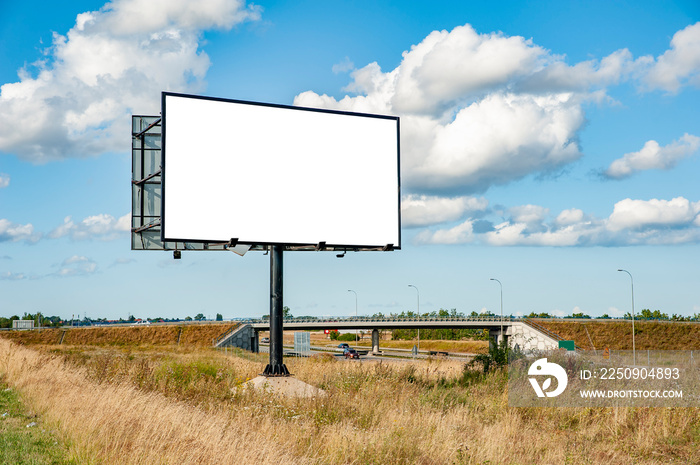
pixel 22 324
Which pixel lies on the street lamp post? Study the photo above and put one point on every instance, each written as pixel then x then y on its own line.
pixel 501 286
pixel 634 353
pixel 350 290
pixel 417 309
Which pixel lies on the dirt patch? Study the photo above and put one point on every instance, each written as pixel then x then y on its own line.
pixel 287 386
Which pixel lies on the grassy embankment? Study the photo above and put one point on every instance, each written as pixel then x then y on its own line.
pixel 25 438
pixel 617 335
pixel 183 404
pixel 196 335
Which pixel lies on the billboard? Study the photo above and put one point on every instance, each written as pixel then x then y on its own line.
pixel 274 174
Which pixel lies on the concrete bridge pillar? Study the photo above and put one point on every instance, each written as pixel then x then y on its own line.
pixel 495 336
pixel 375 341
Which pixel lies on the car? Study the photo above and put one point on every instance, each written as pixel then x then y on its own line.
pixel 265 340
pixel 344 345
pixel 351 353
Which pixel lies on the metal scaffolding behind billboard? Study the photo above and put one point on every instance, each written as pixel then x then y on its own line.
pixel 146 190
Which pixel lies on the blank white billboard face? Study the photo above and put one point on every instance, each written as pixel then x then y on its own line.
pixel 267 174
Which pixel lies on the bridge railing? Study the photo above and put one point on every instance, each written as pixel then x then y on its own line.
pixel 387 319
pixel 215 341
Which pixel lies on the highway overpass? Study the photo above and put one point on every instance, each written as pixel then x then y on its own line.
pixel 526 334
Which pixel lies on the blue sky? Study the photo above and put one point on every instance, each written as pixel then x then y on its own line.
pixel 546 144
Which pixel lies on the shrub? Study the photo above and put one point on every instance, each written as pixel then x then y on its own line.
pixel 498 356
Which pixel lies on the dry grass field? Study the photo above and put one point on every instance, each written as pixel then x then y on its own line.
pixel 170 404
pixel 617 335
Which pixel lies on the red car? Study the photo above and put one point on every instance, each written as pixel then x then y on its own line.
pixel 351 353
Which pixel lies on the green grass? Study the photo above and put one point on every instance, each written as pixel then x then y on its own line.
pixel 22 444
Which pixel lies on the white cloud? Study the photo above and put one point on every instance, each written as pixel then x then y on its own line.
pixel 577 309
pixel 501 138
pixel 531 215
pixel 654 156
pixel 102 226
pixel 4 180
pixel 423 210
pixel 13 232
pixel 343 67
pixel 569 217
pixel 632 222
pixel 460 234
pixel 506 234
pixel 112 63
pixel 679 65
pixel 558 76
pixel 8 276
pixel 74 259
pixel 461 63
pixel 129 17
pixel 122 261
pixel 76 265
pixel 615 312
pixel 640 214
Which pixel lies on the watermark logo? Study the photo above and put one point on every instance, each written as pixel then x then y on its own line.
pixel 542 367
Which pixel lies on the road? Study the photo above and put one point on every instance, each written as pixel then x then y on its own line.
pixel 387 354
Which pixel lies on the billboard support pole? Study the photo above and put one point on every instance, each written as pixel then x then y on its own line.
pixel 276 367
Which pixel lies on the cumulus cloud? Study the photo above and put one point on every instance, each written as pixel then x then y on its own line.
pixel 4 180
pixel 461 234
pixel 569 217
pixel 653 156
pixel 561 77
pixel 113 62
pixel 102 226
pixel 461 63
pixel 530 215
pixel 479 110
pixel 76 265
pixel 632 222
pixel 678 66
pixel 423 210
pixel 465 124
pixel 654 213
pixel 13 232
pixel 501 138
